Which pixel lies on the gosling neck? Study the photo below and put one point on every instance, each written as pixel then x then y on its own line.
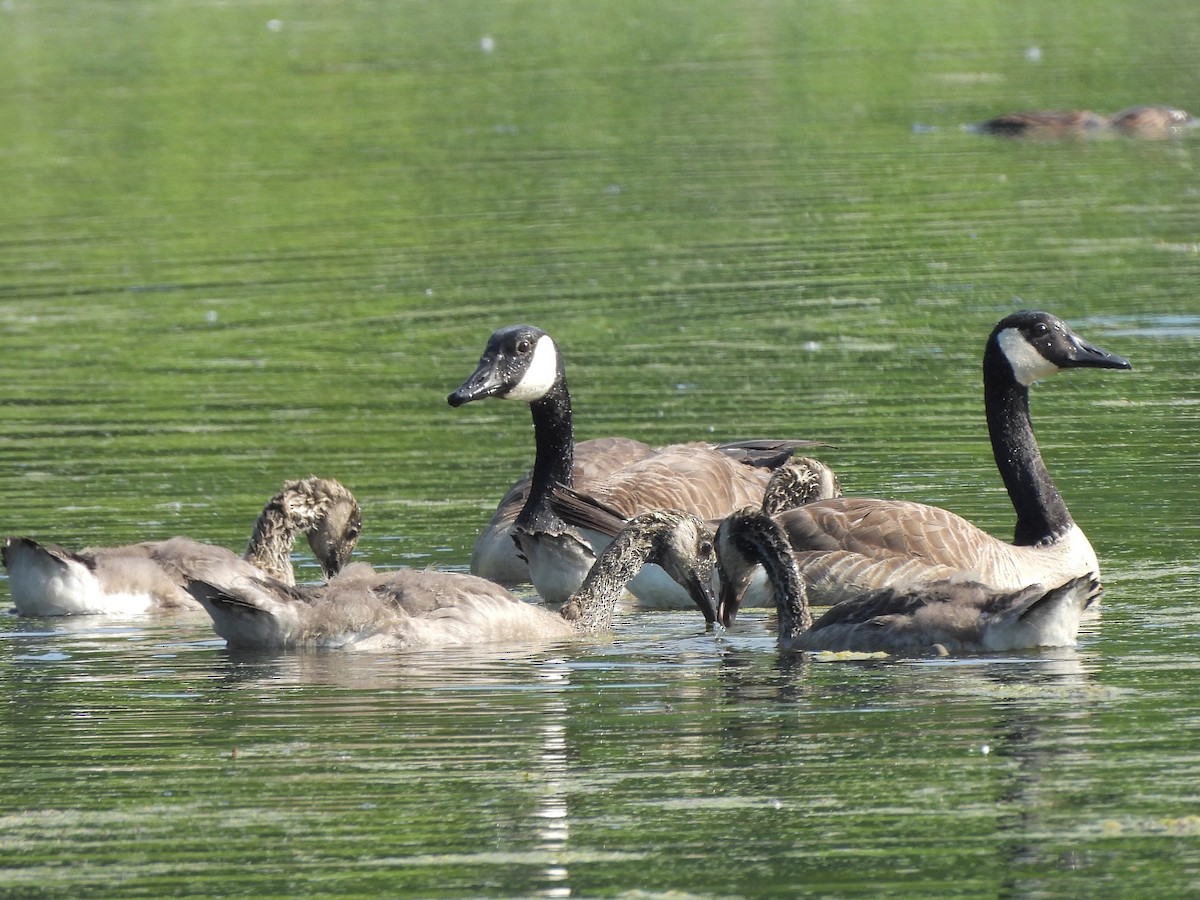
pixel 270 546
pixel 590 609
pixel 772 549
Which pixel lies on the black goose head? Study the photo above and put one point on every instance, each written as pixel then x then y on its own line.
pixel 1035 345
pixel 521 362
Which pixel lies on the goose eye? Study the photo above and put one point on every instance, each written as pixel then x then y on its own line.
pixel 524 345
pixel 1041 329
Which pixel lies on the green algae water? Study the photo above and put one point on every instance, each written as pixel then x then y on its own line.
pixel 244 243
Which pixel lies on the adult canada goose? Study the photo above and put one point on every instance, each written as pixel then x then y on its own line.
pixel 800 480
pixel 849 546
pixel 47 580
pixel 1148 121
pixel 938 618
pixel 522 362
pixel 367 610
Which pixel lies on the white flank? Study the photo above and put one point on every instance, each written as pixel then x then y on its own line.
pixel 540 375
pixel 1027 363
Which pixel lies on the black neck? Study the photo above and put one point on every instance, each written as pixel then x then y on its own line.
pixel 1042 515
pixel 770 547
pixel 554 434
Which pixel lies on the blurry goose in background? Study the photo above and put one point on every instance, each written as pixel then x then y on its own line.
pixel 1149 122
pixel 1044 123
pixel 1152 121
pixel 46 580
pixel 849 546
pixel 406 609
pixel 800 480
pixel 523 363
pixel 939 618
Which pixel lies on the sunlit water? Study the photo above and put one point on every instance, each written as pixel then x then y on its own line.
pixel 242 244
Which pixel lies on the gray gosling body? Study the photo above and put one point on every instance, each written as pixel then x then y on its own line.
pixel 364 609
pixel 940 618
pixel 47 580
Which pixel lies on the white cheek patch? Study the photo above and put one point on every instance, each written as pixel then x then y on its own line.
pixel 540 375
pixel 1027 364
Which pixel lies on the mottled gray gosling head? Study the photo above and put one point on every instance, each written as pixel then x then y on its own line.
pixel 323 509
pixel 800 480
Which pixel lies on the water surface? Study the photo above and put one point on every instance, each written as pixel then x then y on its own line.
pixel 242 243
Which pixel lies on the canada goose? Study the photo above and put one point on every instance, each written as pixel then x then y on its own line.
pixel 522 362
pixel 848 546
pixel 46 580
pixel 800 480
pixel 408 608
pixel 1152 121
pixel 938 618
pixel 1148 121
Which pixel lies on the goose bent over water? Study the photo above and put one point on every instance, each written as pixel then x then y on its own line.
pixel 938 618
pixel 367 610
pixel 848 546
pixel 47 580
pixel 523 363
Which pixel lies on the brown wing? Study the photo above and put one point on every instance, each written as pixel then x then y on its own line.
pixel 696 478
pixel 882 528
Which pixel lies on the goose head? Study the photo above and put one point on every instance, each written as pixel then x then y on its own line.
pixel 683 546
pixel 800 480
pixel 331 517
pixel 521 362
pixel 749 537
pixel 1035 345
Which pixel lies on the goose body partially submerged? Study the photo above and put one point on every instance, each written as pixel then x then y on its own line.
pixel 48 580
pixel 849 546
pixel 364 609
pixel 936 618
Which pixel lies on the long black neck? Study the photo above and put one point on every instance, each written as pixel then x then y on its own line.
pixel 1042 516
pixel 554 434
pixel 767 544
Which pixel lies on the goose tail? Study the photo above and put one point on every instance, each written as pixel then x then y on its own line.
pixel 247 612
